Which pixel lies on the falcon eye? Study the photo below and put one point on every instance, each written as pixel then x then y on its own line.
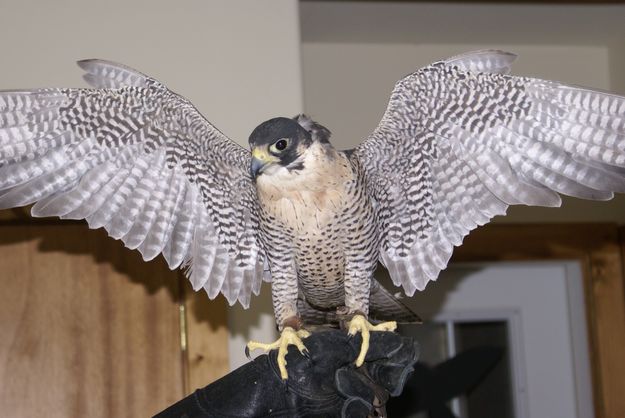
pixel 279 146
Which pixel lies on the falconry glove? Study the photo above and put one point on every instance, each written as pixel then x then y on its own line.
pixel 324 384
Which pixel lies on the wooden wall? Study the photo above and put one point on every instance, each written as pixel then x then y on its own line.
pixel 89 329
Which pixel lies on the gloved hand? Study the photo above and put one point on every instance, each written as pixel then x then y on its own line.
pixel 324 384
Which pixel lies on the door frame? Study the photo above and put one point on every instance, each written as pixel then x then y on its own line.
pixel 600 250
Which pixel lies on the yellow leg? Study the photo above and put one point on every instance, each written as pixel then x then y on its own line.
pixel 360 323
pixel 288 337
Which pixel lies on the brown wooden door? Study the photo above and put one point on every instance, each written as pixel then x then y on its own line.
pixel 87 329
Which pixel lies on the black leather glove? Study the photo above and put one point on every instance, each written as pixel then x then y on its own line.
pixel 324 384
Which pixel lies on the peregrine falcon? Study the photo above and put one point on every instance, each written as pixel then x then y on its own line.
pixel 460 141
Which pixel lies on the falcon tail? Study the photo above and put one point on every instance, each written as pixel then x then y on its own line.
pixel 383 306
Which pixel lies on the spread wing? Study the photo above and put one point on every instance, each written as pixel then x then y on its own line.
pixel 137 159
pixel 461 141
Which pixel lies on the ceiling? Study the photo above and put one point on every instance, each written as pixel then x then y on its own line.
pixel 474 22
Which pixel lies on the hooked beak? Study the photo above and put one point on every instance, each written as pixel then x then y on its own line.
pixel 260 159
pixel 256 167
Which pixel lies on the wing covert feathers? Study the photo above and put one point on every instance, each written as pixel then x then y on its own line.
pixel 461 141
pixel 140 161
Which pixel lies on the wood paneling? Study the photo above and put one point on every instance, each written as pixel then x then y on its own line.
pixel 206 339
pixel 598 250
pixel 87 328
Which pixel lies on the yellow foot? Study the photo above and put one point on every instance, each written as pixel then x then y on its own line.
pixel 360 323
pixel 288 337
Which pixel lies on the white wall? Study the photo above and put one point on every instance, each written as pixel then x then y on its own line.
pixel 353 52
pixel 347 85
pixel 238 61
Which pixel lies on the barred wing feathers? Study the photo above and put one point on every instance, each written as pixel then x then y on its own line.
pixel 137 159
pixel 461 140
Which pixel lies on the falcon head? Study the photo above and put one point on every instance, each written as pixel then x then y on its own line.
pixel 282 142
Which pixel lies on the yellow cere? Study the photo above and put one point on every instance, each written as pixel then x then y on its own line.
pixel 261 154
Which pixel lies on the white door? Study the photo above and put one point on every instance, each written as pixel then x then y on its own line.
pixel 537 310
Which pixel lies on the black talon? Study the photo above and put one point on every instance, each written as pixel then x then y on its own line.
pixel 247 353
pixel 308 358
